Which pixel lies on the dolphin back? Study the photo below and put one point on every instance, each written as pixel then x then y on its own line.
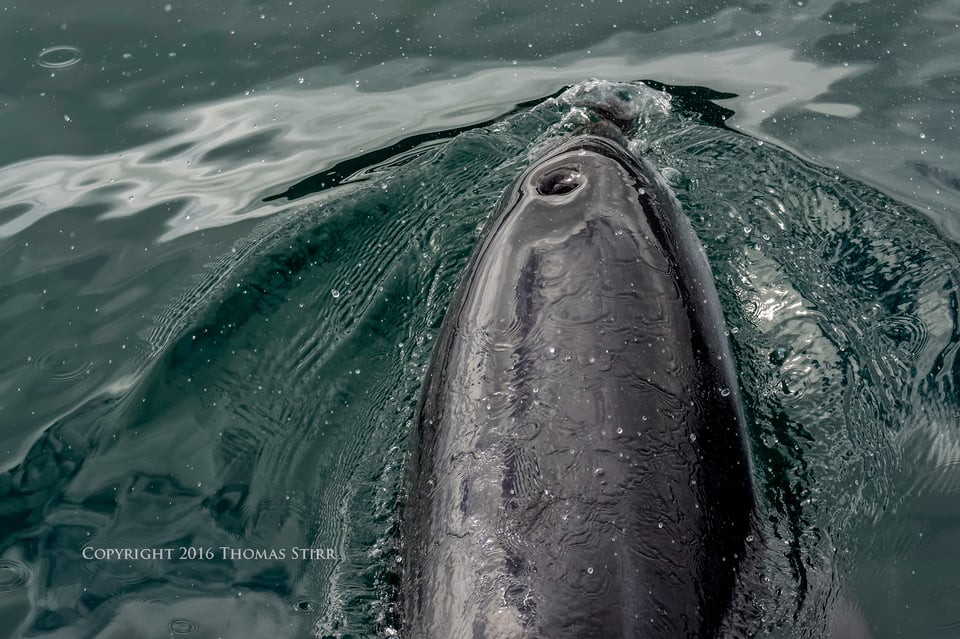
pixel 578 465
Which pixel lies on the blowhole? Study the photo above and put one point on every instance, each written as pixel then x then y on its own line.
pixel 559 181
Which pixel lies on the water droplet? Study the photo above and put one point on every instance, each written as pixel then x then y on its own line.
pixel 335 293
pixel 598 471
pixel 725 392
pixel 693 437
pixel 590 570
pixel 660 524
pixel 619 430
pixel 301 80
pixel 168 8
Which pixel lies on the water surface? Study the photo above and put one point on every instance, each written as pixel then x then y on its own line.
pixel 228 235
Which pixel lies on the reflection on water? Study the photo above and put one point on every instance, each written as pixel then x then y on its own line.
pixel 216 162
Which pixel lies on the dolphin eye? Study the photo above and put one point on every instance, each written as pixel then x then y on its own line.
pixel 559 181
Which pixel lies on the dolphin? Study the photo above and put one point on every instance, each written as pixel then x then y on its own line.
pixel 578 464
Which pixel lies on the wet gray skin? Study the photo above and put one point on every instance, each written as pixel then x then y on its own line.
pixel 578 466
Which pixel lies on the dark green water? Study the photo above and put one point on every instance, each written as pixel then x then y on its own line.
pixel 189 361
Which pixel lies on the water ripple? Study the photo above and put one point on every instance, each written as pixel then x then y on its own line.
pixel 59 57
pixel 14 575
pixel 182 627
pixel 61 364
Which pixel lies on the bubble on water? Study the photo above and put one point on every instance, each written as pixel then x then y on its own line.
pixel 590 570
pixel 725 392
pixel 303 606
pixel 335 293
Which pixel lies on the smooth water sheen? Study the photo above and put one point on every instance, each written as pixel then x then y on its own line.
pixel 229 234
